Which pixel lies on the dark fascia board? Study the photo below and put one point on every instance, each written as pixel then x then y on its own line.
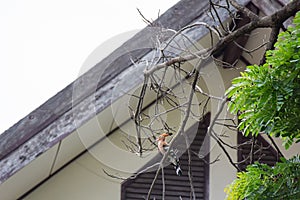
pixel 67 110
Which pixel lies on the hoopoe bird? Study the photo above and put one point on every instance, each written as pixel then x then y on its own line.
pixel 163 147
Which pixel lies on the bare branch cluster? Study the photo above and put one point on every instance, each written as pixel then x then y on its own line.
pixel 172 80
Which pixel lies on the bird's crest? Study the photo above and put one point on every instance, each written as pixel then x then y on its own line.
pixel 163 136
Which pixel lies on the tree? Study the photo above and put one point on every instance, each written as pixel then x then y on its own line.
pixel 268 96
pixel 268 99
pixel 165 65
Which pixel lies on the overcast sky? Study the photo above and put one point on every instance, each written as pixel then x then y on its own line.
pixel 43 45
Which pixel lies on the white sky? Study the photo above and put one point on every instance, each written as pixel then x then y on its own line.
pixel 43 45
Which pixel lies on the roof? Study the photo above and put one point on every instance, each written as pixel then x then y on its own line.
pixel 91 93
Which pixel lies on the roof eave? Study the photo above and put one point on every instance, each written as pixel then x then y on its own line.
pixel 66 111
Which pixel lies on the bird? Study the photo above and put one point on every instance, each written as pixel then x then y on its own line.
pixel 163 148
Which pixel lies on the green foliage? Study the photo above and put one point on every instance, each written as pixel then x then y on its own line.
pixel 261 181
pixel 268 96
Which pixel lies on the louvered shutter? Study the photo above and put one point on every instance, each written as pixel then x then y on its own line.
pixel 175 186
pixel 264 152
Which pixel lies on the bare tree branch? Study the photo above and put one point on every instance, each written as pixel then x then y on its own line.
pixel 156 79
pixel 163 183
pixel 263 22
pixel 144 18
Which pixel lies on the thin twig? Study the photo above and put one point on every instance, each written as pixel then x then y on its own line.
pixel 272 41
pixel 144 18
pixel 210 132
pixel 163 183
pixel 279 153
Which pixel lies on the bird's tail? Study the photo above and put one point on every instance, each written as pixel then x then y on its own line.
pixel 178 169
pixel 176 163
pixel 174 160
